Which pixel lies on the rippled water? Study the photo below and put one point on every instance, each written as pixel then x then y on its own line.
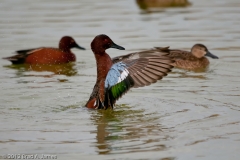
pixel 187 115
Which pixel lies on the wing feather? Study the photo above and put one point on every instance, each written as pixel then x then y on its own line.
pixel 135 70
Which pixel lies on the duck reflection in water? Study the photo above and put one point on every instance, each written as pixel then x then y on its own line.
pixel 121 131
pixel 68 69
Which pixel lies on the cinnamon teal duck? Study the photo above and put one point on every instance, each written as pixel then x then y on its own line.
pixel 115 76
pixel 195 59
pixel 45 55
pixel 145 4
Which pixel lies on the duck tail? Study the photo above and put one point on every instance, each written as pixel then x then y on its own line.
pixel 15 59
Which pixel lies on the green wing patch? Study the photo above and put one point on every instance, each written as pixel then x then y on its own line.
pixel 116 91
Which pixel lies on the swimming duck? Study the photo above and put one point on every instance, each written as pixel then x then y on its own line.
pixel 46 55
pixel 115 76
pixel 145 4
pixel 194 59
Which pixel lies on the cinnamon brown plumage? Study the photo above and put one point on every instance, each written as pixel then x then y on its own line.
pixel 116 76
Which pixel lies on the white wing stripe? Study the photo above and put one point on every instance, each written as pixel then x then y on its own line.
pixel 123 75
pixel 116 74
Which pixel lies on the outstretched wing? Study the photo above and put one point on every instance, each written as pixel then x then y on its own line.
pixel 147 67
pixel 135 70
pixel 157 51
pixel 117 83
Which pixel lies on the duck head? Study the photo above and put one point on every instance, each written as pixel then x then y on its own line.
pixel 102 42
pixel 199 51
pixel 67 42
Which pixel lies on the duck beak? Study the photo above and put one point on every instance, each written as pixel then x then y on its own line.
pixel 211 55
pixel 117 46
pixel 79 47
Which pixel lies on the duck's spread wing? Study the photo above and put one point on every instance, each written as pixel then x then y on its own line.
pixel 117 82
pixel 157 51
pixel 146 67
pixel 135 70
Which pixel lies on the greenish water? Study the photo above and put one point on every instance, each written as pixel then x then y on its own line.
pixel 187 115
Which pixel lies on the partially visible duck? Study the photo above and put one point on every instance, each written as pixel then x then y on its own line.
pixel 145 4
pixel 116 76
pixel 47 55
pixel 194 59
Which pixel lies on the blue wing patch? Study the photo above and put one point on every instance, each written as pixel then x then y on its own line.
pixel 116 74
pixel 117 82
